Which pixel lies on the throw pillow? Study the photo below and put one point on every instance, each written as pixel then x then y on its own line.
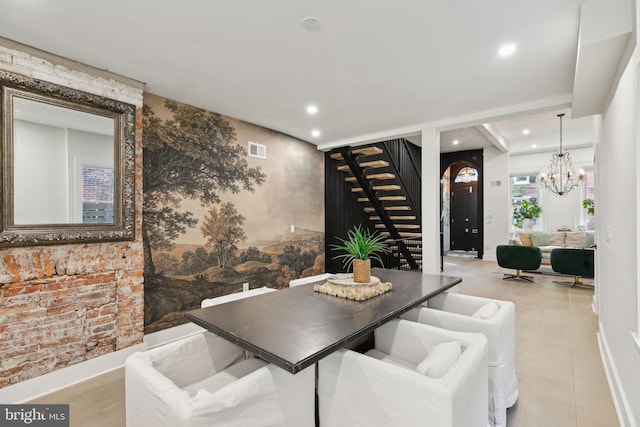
pixel 525 239
pixel 557 239
pixel 576 239
pixel 515 242
pixel 487 311
pixel 540 239
pixel 440 359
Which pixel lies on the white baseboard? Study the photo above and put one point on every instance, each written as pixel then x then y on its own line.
pixel 489 257
pixel 48 383
pixel 620 401
pixel 36 387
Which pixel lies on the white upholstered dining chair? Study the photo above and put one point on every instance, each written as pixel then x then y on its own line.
pixel 494 319
pixel 236 296
pixel 204 380
pixel 416 375
pixel 319 278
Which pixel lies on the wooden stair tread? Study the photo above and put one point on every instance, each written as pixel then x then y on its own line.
pixel 378 176
pixel 375 164
pixel 389 208
pixel 402 234
pixel 385 199
pixel 371 164
pixel 386 187
pixel 377 188
pixel 392 198
pixel 385 175
pixel 398 226
pixel 364 151
pixel 395 218
pixel 397 208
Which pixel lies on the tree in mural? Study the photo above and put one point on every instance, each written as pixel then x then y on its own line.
pixel 192 155
pixel 223 230
pixel 296 260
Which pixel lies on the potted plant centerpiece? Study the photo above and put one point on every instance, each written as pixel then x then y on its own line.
pixel 525 215
pixel 360 247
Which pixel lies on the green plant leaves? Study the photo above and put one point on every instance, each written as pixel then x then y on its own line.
pixel 360 244
pixel 528 209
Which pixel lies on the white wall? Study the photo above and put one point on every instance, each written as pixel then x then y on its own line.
pixel 430 154
pixel 617 256
pixel 40 190
pixel 496 201
pixel 556 211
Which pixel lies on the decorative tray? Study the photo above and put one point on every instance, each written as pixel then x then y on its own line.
pixel 343 286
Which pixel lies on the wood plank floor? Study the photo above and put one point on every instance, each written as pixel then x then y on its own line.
pixel 560 373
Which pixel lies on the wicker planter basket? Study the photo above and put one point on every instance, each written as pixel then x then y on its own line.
pixel 361 270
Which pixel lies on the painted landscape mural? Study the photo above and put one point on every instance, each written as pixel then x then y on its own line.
pixel 215 217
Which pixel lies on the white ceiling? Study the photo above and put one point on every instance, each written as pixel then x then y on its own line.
pixel 544 133
pixel 370 67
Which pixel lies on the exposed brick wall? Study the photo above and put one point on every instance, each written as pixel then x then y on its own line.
pixel 63 304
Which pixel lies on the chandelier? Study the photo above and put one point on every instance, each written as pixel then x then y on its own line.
pixel 561 177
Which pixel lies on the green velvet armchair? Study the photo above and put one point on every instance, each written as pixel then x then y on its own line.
pixel 576 262
pixel 518 258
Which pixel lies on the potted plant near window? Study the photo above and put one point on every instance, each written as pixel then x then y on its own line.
pixel 589 205
pixel 526 214
pixel 360 247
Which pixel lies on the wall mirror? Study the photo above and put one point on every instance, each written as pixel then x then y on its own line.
pixel 67 165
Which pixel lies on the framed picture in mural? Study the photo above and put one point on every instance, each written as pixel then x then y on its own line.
pixel 215 217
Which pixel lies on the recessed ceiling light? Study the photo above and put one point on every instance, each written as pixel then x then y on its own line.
pixel 455 142
pixel 533 145
pixel 315 133
pixel 312 109
pixel 526 132
pixel 507 49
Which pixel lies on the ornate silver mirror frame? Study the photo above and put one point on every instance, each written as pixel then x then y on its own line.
pixel 120 223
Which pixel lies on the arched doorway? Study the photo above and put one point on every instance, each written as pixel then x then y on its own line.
pixel 463 221
pixel 462 201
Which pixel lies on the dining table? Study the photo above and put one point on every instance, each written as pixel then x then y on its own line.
pixel 294 328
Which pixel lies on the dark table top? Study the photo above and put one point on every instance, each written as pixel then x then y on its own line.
pixel 295 327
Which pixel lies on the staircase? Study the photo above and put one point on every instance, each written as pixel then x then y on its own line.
pixel 382 194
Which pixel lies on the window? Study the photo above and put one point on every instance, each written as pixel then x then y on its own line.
pixel 589 193
pixel 523 187
pixel 97 194
pixel 467 174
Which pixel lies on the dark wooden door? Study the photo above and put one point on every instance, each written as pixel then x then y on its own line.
pixel 464 216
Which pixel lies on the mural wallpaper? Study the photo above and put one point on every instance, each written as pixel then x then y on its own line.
pixel 214 217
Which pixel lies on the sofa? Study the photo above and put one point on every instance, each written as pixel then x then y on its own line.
pixel 548 241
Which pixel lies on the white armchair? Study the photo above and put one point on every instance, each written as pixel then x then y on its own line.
pixel 236 296
pixel 384 388
pixel 204 380
pixel 495 319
